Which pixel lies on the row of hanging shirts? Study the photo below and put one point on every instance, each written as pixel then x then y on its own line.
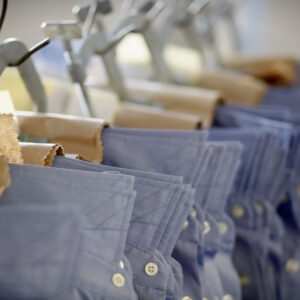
pixel 171 190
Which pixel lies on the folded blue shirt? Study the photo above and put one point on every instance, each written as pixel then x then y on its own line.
pixel 106 202
pixel 156 201
pixel 169 152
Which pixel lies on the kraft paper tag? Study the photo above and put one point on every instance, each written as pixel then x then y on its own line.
pixel 40 154
pixel 196 101
pixel 77 135
pixel 4 174
pixel 236 88
pixel 141 116
pixel 9 143
pixel 278 70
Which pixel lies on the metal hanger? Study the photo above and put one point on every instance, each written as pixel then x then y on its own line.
pixel 184 14
pixel 226 9
pixel 66 31
pixel 103 42
pixel 141 19
pixel 95 40
pixel 14 53
pixel 92 43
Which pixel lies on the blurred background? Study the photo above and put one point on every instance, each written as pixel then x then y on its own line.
pixel 265 25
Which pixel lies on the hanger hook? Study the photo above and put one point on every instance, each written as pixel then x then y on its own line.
pixel 31 51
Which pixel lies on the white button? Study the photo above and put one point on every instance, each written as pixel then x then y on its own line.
pixel 122 266
pixel 206 227
pixel 151 269
pixel 237 211
pixel 227 297
pixel 186 298
pixel 245 280
pixel 118 280
pixel 259 207
pixel 204 298
pixel 292 266
pixel 193 212
pixel 223 227
pixel 185 224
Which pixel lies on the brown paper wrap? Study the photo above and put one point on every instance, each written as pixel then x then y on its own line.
pixel 140 116
pixel 9 143
pixel 4 174
pixel 40 154
pixel 196 101
pixel 236 88
pixel 77 135
pixel 273 70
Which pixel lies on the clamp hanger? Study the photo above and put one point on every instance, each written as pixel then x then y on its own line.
pixel 14 53
pixel 226 10
pixel 204 39
pixel 97 42
pixel 67 31
pixel 103 43
pixel 141 19
pixel 184 14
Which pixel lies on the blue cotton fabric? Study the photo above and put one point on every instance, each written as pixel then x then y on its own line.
pixel 158 201
pixel 169 152
pixel 216 207
pixel 105 201
pixel 251 194
pixel 285 163
pixel 39 250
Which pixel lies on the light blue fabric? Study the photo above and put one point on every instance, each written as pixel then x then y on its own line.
pixel 212 165
pixel 157 202
pixel 223 259
pixel 217 201
pixel 201 270
pixel 254 226
pixel 169 152
pixel 282 179
pixel 213 285
pixel 186 252
pixel 283 97
pixel 39 250
pixel 106 202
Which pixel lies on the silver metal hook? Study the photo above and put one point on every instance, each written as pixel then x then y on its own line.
pixel 31 51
